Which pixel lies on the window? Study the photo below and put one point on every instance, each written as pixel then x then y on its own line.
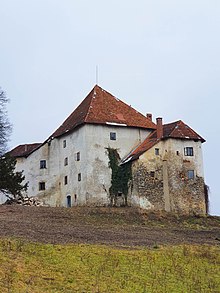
pixel 152 174
pixel 43 164
pixel 79 177
pixel 64 143
pixel 65 180
pixel 42 186
pixel 177 152
pixel 65 161
pixel 78 156
pixel 157 152
pixel 75 197
pixel 190 174
pixel 188 151
pixel 112 135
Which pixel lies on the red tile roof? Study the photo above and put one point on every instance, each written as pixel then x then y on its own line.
pixel 100 107
pixel 178 130
pixel 24 150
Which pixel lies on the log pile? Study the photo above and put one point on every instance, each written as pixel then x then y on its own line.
pixel 24 201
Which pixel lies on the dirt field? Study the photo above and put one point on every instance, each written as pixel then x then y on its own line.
pixel 111 226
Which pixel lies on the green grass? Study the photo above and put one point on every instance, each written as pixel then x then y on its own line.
pixel 33 267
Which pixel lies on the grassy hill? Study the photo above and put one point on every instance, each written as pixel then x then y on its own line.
pixel 107 250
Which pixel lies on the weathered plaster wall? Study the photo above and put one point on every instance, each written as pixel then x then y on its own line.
pixel 170 189
pixel 98 171
pixel 91 141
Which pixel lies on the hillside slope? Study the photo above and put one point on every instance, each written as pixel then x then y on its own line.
pixel 111 226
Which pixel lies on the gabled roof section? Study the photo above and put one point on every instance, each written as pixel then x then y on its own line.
pixel 178 130
pixel 24 150
pixel 101 107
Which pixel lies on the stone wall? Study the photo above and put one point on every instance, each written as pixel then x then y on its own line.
pixel 160 182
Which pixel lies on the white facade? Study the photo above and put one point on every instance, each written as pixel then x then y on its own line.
pixel 86 180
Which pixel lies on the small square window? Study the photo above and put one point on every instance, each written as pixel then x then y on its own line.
pixel 42 186
pixel 79 177
pixel 65 161
pixel 64 143
pixel 190 174
pixel 65 180
pixel 157 152
pixel 188 151
pixel 152 174
pixel 78 156
pixel 43 164
pixel 112 135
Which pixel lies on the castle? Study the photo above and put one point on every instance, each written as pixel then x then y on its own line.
pixel 107 153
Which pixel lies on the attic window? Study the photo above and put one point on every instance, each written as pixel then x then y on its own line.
pixel 188 151
pixel 190 174
pixel 112 135
pixel 43 164
pixel 157 152
pixel 64 143
pixel 42 186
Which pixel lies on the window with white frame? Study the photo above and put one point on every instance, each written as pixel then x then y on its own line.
pixel 188 151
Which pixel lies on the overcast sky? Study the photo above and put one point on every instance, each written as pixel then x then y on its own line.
pixel 160 56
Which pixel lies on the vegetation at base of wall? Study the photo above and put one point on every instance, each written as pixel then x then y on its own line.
pixel 34 267
pixel 121 175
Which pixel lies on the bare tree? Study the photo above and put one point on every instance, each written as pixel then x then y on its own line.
pixel 10 180
pixel 5 126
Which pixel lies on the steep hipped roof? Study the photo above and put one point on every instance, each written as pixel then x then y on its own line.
pixel 178 130
pixel 24 150
pixel 100 107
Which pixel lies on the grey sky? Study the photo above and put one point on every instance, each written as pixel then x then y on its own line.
pixel 159 56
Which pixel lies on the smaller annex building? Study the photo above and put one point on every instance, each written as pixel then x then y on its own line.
pixel 107 153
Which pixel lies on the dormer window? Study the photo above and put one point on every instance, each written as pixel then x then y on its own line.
pixel 112 135
pixel 188 151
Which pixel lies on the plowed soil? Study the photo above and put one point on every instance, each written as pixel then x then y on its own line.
pixel 110 226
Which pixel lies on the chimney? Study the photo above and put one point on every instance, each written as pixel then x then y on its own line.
pixel 159 127
pixel 149 116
